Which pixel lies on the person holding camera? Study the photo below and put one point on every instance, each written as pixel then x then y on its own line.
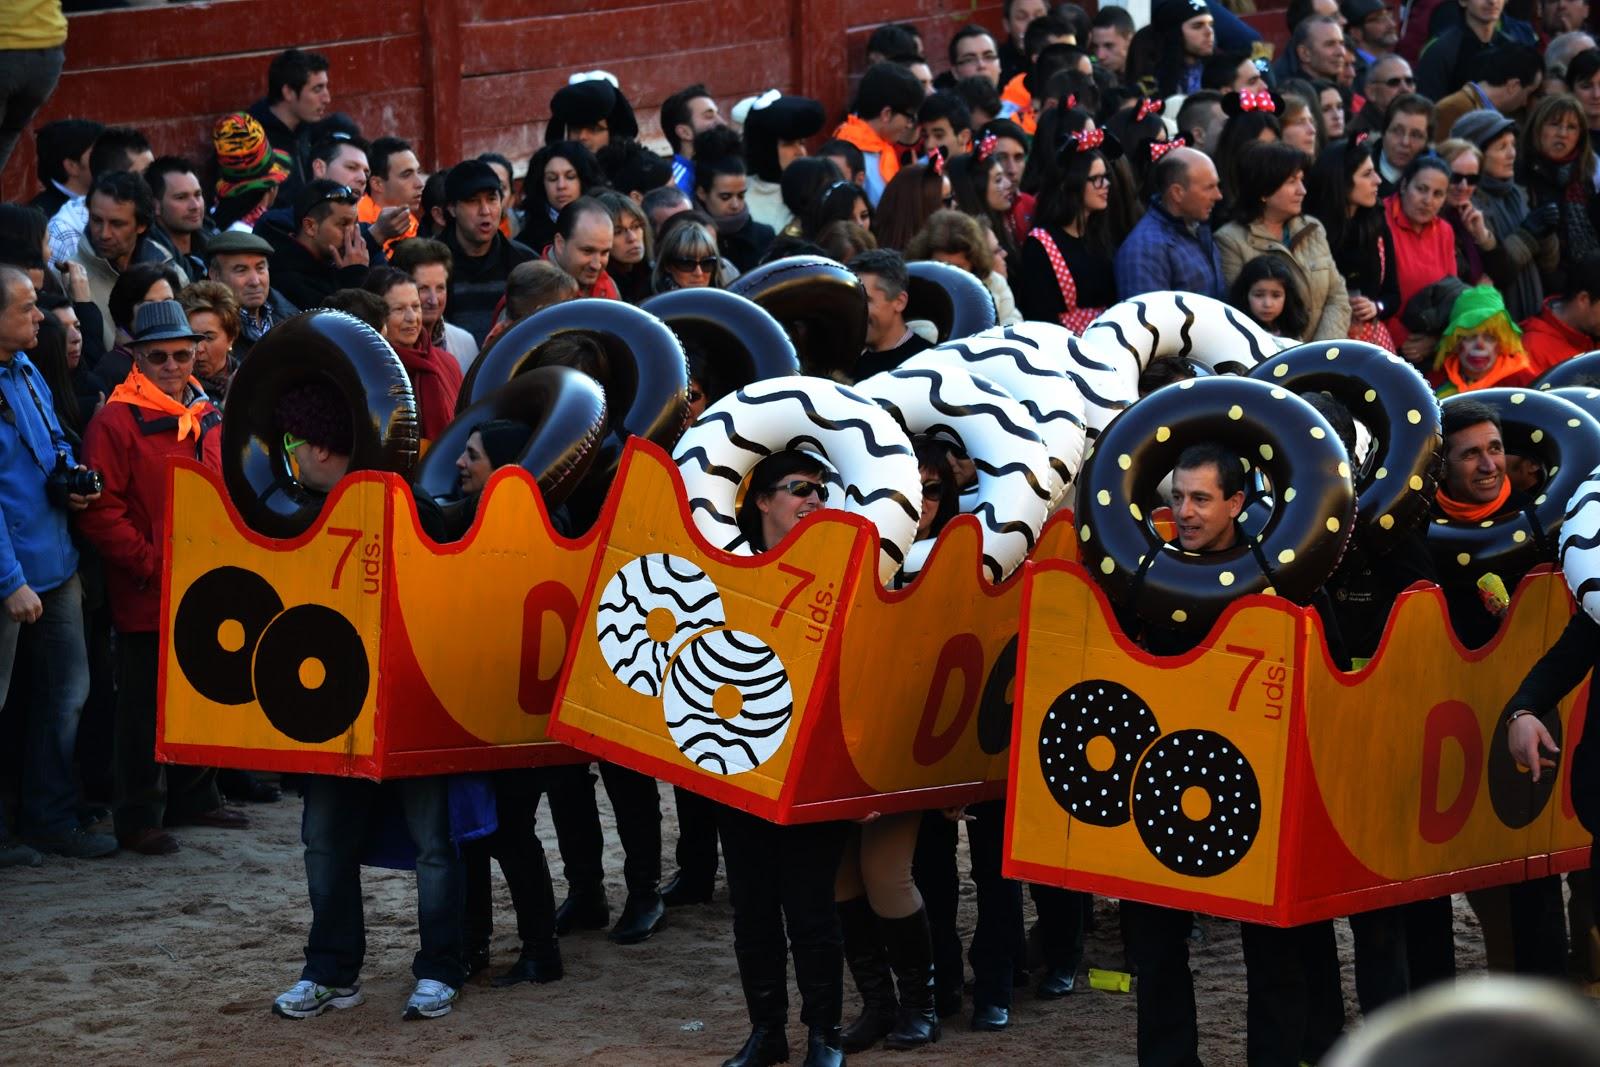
pixel 158 412
pixel 42 618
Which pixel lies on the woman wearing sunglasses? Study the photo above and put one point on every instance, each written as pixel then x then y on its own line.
pixel 1472 234
pixel 783 876
pixel 686 255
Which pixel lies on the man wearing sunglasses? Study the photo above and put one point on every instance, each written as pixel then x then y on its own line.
pixel 1387 77
pixel 327 252
pixel 159 412
pixel 43 617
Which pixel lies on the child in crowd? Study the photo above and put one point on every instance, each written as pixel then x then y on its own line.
pixel 1481 347
pixel 1266 291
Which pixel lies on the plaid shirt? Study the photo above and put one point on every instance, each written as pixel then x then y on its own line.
pixel 1163 253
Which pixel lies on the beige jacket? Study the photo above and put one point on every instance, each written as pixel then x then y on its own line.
pixel 1321 284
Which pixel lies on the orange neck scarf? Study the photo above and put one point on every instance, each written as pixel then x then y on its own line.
pixel 141 392
pixel 1459 512
pixel 1503 368
pixel 864 137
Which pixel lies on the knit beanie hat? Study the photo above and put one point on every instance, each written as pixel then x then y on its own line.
pixel 246 161
pixel 1170 14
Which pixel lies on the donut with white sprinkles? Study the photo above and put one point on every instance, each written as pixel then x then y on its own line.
pixel 1196 803
pixel 1095 710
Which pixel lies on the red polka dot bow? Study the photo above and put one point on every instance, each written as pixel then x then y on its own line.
pixel 1161 148
pixel 986 146
pixel 1087 140
pixel 1256 102
pixel 936 161
pixel 1148 107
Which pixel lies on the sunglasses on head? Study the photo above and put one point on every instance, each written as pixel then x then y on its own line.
pixel 802 488
pixel 159 359
pixel 706 264
pixel 342 195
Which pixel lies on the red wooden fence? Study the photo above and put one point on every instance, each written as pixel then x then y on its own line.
pixel 460 77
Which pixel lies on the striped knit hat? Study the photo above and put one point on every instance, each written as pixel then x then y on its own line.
pixel 246 162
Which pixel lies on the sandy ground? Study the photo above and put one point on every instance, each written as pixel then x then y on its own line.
pixel 176 960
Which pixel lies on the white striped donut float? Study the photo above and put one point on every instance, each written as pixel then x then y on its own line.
pixel 1043 390
pixel 1268 427
pixel 954 404
pixel 1580 546
pixel 1385 394
pixel 1106 380
pixel 728 702
pixel 861 441
pixel 1566 439
pixel 1182 324
pixel 648 609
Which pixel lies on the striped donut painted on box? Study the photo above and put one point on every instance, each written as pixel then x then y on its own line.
pixel 954 404
pixel 1043 390
pixel 1580 546
pixel 648 609
pixel 858 438
pixel 1182 324
pixel 728 702
pixel 1106 380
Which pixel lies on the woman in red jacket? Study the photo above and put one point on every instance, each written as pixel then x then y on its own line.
pixel 158 412
pixel 435 374
pixel 1424 244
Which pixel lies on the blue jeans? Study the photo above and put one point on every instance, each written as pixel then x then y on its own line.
pixel 58 669
pixel 339 812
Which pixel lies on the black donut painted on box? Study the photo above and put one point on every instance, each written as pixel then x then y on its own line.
pixel 311 713
pixel 728 701
pixel 1213 843
pixel 222 595
pixel 658 582
pixel 1395 485
pixel 1567 440
pixel 1090 710
pixel 1302 542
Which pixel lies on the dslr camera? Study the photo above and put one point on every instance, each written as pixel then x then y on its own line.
pixel 67 480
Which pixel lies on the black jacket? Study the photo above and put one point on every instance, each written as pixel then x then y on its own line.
pixel 294 143
pixel 1574 655
pixel 1363 594
pixel 745 248
pixel 304 280
pixel 477 283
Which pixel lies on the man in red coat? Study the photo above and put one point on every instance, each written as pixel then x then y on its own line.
pixel 1568 324
pixel 160 411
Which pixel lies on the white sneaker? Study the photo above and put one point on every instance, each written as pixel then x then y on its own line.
pixel 430 1000
pixel 306 999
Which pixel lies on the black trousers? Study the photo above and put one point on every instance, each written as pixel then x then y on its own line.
pixel 1063 921
pixel 933 868
pixel 1157 941
pixel 516 846
pixel 1402 949
pixel 696 850
pixel 149 794
pixel 1296 1007
pixel 781 881
pixel 637 804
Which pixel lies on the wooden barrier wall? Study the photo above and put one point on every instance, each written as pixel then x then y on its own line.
pixel 459 77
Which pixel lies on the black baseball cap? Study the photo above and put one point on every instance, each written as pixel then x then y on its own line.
pixel 469 178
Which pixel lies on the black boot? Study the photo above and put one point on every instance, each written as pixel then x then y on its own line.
pixel 765 978
pixel 822 1047
pixel 642 916
pixel 911 955
pixel 585 908
pixel 539 965
pixel 869 966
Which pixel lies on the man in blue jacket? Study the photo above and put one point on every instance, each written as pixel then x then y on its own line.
pixel 43 602
pixel 1171 247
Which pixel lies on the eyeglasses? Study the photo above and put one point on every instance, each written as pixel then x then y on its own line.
pixel 1463 179
pixel 1099 181
pixel 802 488
pixel 1395 83
pixel 932 490
pixel 706 265
pixel 291 442
pixel 158 358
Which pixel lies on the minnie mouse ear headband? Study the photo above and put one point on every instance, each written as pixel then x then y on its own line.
pixel 1236 104
pixel 1093 140
pixel 1161 148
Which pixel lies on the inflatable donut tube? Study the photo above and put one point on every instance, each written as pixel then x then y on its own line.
pixel 1107 381
pixel 1580 545
pixel 1271 429
pixel 1394 483
pixel 1567 440
pixel 564 408
pixel 649 394
pixel 957 405
pixel 954 300
pixel 1579 370
pixel 1586 397
pixel 743 343
pixel 821 305
pixel 1182 324
pixel 861 441
pixel 346 353
pixel 1044 391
